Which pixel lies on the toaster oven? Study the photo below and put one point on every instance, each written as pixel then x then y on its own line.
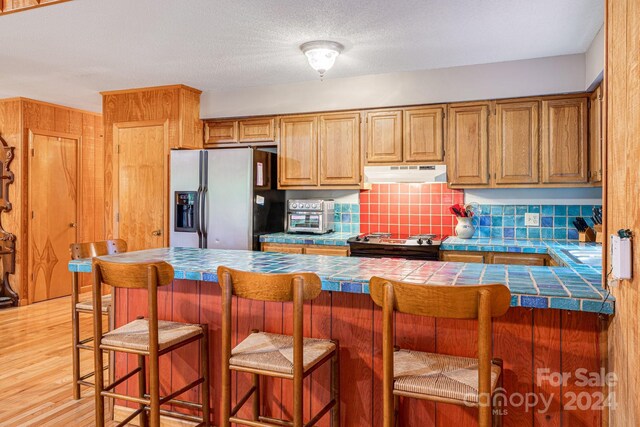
pixel 309 216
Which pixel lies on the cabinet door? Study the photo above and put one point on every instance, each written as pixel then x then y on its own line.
pixel 384 136
pixel 468 144
pixel 283 248
pixel 221 132
pixel 564 140
pixel 257 130
pixel 477 258
pixel 340 149
pixel 298 155
pixel 595 136
pixel 423 135
pixel 518 259
pixel 329 250
pixel 517 142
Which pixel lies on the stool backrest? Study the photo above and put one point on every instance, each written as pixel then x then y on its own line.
pixel 269 287
pixel 455 302
pixel 133 275
pixel 94 249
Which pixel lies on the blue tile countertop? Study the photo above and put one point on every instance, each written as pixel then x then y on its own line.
pixel 330 239
pixel 539 287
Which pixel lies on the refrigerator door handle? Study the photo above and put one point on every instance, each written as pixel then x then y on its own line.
pixel 204 211
pixel 197 215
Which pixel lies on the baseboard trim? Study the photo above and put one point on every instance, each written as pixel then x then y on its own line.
pixel 122 412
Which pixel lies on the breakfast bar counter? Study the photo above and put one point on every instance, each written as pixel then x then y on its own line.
pixel 552 328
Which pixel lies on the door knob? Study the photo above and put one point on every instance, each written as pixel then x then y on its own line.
pixel 157 233
pixel 72 224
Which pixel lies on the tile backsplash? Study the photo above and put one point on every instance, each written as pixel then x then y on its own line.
pixel 507 221
pixel 408 208
pixel 347 218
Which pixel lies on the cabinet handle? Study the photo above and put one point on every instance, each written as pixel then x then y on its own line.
pixel 157 233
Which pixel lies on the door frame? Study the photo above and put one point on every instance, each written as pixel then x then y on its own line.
pixel 32 133
pixel 116 176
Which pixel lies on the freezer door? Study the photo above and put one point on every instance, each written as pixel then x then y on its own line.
pixel 228 199
pixel 185 176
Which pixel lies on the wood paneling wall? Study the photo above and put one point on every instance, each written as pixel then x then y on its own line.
pixel 526 339
pixel 12 6
pixel 622 205
pixel 17 117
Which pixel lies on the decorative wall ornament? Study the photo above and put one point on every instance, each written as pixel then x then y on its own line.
pixel 8 297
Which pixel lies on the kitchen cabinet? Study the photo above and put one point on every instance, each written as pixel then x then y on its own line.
pixel 291 248
pixel 243 131
pixel 519 259
pixel 564 140
pixel 384 136
pixel 595 136
pixel 508 258
pixel 424 135
pixel 517 142
pixel 340 156
pixel 477 258
pixel 298 154
pixel 320 151
pixel 468 144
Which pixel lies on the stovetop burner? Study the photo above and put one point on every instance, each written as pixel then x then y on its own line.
pixel 384 245
pixel 399 239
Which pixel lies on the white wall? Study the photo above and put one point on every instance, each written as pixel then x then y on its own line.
pixel 594 61
pixel 536 196
pixel 541 76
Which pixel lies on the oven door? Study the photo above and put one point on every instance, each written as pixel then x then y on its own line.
pixel 305 222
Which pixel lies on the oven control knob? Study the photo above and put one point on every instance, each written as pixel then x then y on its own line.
pixel 294 205
pixel 419 241
pixel 358 238
pixel 314 206
pixel 429 242
pixel 366 238
pixel 307 206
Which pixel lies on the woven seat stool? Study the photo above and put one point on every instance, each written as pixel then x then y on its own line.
pixel 147 338
pixel 80 251
pixel 275 355
pixel 439 377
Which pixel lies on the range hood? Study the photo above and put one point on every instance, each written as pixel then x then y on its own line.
pixel 405 173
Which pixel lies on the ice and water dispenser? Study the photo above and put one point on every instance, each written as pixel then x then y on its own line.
pixel 185 211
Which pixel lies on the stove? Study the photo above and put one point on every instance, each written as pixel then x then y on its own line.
pixel 387 245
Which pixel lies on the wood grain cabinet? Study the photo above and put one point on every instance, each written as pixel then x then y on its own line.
pixel 476 258
pixel 517 142
pixel 468 144
pixel 243 131
pixel 320 151
pixel 595 136
pixel 564 141
pixel 298 153
pixel 220 132
pixel 340 162
pixel 424 135
pixel 257 130
pixel 512 258
pixel 384 136
pixel 291 248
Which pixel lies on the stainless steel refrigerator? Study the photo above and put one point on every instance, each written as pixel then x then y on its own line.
pixel 224 198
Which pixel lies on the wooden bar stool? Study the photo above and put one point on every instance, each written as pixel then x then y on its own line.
pixel 439 377
pixel 282 356
pixel 80 251
pixel 146 337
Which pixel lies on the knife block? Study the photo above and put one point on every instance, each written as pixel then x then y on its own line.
pixel 587 236
pixel 598 229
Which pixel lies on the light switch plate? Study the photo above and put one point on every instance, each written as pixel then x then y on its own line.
pixel 532 219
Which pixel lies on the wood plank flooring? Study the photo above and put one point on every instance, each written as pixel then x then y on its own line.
pixel 35 367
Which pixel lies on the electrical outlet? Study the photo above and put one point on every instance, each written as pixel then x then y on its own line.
pixel 532 219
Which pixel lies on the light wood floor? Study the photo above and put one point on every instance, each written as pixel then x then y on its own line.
pixel 35 367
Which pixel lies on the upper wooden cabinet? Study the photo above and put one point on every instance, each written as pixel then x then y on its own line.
pixel 384 136
pixel 517 142
pixel 468 144
pixel 340 159
pixel 595 136
pixel 233 131
pixel 424 135
pixel 320 151
pixel 564 141
pixel 298 154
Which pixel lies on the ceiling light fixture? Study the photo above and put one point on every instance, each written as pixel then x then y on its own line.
pixel 321 54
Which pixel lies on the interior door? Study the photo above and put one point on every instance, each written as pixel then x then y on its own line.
pixel 141 188
pixel 53 198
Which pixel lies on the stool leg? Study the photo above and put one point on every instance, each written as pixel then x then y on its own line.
pixel 75 333
pixel 335 387
pixel 204 357
pixel 298 391
pixel 142 388
pixel 99 385
pixel 256 397
pixel 154 391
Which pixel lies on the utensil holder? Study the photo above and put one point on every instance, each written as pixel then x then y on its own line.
pixel 465 228
pixel 587 236
pixel 598 229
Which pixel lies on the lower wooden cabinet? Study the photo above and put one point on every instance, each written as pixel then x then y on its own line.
pixel 290 248
pixel 508 258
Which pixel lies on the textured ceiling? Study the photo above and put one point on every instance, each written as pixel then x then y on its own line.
pixel 67 53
